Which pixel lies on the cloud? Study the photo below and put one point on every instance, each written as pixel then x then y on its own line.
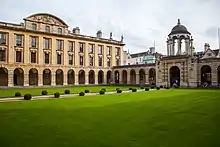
pixel 140 22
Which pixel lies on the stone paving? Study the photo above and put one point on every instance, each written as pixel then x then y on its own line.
pixel 41 97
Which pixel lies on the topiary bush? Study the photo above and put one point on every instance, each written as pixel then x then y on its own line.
pixel 82 94
pixel 57 95
pixel 134 90
pixel 86 91
pixel 152 87
pixel 27 97
pixel 119 91
pixel 142 87
pixel 67 91
pixel 158 88
pixel 167 87
pixel 44 92
pixel 101 92
pixel 104 89
pixel 147 89
pixel 161 86
pixel 130 88
pixel 18 94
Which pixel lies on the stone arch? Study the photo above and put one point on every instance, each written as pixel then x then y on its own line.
pixel 47 77
pixel 100 77
pixel 109 77
pixel 132 76
pixel 218 73
pixel 142 76
pixel 59 77
pixel 81 77
pixel 152 76
pixel 33 77
pixel 18 77
pixel 206 75
pixel 91 77
pixel 174 75
pixel 117 77
pixel 124 77
pixel 71 77
pixel 3 76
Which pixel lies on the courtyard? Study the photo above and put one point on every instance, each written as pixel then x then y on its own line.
pixel 157 118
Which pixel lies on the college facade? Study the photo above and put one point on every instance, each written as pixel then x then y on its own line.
pixel 43 51
pixel 181 64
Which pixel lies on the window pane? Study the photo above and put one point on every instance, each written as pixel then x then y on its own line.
pixel 2 55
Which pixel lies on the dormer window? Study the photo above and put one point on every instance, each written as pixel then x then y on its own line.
pixel 47 29
pixel 60 31
pixel 34 26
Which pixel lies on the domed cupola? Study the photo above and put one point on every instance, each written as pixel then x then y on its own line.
pixel 179 29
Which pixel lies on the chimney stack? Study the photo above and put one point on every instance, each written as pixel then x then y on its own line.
pixel 152 50
pixel 206 46
pixel 76 30
pixel 99 34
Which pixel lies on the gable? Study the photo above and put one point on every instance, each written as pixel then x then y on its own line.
pixel 47 19
pixel 209 54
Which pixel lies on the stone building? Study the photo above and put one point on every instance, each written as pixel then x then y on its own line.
pixel 181 64
pixel 43 51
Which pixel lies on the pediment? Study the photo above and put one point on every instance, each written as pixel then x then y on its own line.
pixel 47 19
pixel 209 54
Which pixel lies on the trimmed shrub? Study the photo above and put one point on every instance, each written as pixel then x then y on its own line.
pixel 152 87
pixel 119 91
pixel 142 87
pixel 57 95
pixel 167 87
pixel 101 92
pixel 147 89
pixel 44 92
pixel 104 89
pixel 67 91
pixel 86 91
pixel 27 97
pixel 134 90
pixel 130 88
pixel 82 94
pixel 18 94
pixel 161 86
pixel 158 88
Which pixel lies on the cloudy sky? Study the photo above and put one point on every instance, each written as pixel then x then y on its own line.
pixel 140 21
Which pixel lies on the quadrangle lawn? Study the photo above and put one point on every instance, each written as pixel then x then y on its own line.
pixel 164 118
pixel 51 90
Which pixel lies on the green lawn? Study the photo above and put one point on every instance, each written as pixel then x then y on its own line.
pixel 164 118
pixel 51 90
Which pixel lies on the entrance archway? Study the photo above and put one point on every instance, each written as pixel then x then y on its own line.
pixel 174 75
pixel 18 77
pixel 117 77
pixel 132 77
pixel 142 77
pixel 3 76
pixel 109 77
pixel 100 77
pixel 33 77
pixel 59 77
pixel 81 77
pixel 91 77
pixel 124 77
pixel 152 76
pixel 46 77
pixel 206 75
pixel 71 77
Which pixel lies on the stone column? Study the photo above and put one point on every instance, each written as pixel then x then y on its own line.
pixel 76 79
pixel 173 47
pixel 86 55
pixel 128 78
pixel 76 55
pixel 26 79
pixel 65 52
pixel 179 47
pixel 40 51
pixel 96 77
pixel 53 78
pixel 104 56
pixel 168 47
pixel 96 57
pixel 105 78
pixel 86 78
pixel 187 46
pixel 26 51
pixel 65 79
pixel 10 78
pixel 53 54
pixel 40 79
pixel 11 50
pixel 137 78
pixel 214 76
pixel 146 78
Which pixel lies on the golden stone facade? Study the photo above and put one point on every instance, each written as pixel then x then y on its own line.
pixel 43 51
